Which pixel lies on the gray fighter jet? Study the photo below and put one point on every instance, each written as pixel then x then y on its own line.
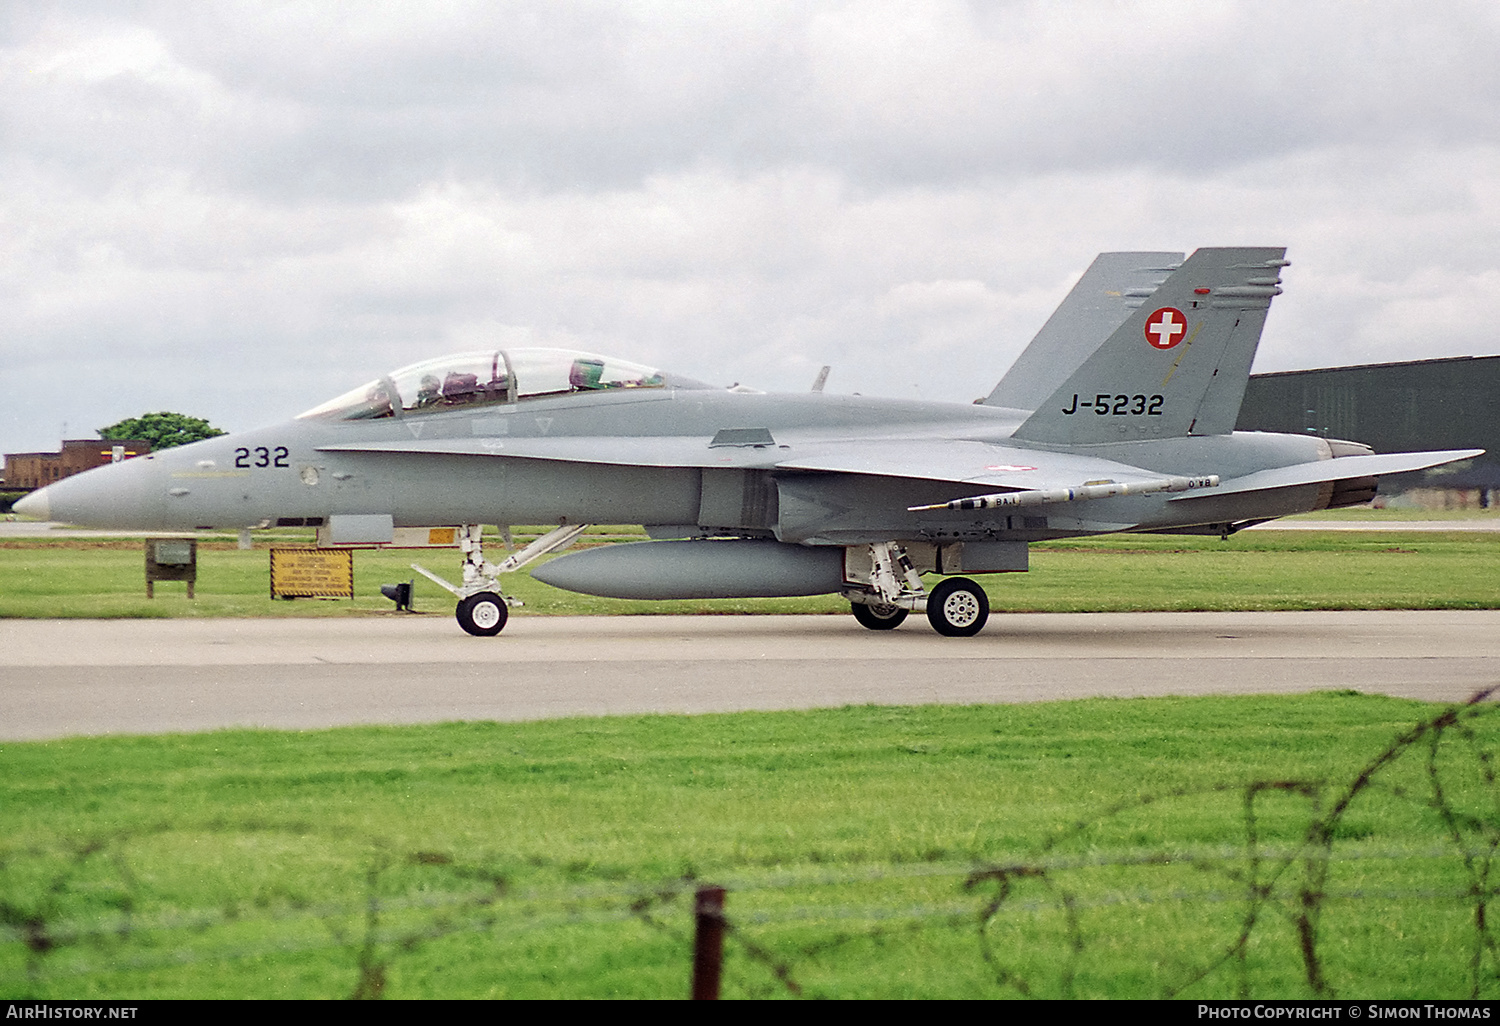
pixel 1118 417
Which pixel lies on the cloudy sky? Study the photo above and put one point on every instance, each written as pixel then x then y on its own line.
pixel 237 210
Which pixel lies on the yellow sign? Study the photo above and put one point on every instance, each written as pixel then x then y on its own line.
pixel 312 573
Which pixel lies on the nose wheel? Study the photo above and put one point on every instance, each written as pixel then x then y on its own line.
pixel 482 615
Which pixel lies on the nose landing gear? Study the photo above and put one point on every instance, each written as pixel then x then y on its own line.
pixel 482 608
pixel 482 615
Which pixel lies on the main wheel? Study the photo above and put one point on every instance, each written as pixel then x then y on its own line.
pixel 878 618
pixel 958 608
pixel 482 615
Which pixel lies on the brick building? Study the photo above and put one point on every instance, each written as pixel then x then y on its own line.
pixel 28 470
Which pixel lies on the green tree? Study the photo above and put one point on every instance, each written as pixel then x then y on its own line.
pixel 163 430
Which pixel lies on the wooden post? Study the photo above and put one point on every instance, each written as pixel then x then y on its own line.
pixel 171 559
pixel 708 942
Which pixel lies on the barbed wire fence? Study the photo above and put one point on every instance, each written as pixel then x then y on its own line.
pixel 80 907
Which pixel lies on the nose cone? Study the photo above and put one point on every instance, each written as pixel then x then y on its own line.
pixel 34 505
pixel 122 495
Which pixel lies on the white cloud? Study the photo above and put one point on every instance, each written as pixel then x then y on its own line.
pixel 239 210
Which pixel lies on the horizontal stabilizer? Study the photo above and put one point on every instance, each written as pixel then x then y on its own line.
pixel 1342 469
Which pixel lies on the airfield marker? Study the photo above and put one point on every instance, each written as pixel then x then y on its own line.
pixel 708 942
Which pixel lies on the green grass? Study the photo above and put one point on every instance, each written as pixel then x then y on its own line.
pixel 1258 571
pixel 1249 571
pixel 554 858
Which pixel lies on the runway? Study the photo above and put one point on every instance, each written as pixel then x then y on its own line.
pixel 74 677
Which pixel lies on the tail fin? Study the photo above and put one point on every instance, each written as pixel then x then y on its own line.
pixel 1113 285
pixel 1177 366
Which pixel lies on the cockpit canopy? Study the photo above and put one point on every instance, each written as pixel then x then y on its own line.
pixel 488 378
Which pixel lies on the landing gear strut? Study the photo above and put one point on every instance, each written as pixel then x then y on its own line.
pixel 888 591
pixel 482 608
pixel 882 595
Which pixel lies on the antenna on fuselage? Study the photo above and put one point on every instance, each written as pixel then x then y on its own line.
pixel 821 379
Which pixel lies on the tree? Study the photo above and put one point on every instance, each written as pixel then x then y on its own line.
pixel 163 430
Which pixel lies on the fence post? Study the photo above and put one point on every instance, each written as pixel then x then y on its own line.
pixel 708 942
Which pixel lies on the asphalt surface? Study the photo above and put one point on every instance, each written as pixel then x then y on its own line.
pixel 71 677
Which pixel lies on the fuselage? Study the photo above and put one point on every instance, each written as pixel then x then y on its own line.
pixel 293 473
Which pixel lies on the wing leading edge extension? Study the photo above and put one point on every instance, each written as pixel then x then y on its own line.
pixel 962 461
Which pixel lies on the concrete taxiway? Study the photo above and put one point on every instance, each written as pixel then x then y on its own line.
pixel 69 677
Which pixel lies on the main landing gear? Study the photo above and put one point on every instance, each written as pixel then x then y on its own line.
pixel 482 608
pixel 882 595
pixel 958 608
pixel 878 617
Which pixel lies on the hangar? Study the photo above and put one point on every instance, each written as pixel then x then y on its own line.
pixel 1392 407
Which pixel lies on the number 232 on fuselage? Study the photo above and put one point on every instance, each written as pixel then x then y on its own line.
pixel 1118 417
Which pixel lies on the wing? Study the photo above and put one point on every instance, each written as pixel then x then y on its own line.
pixel 998 468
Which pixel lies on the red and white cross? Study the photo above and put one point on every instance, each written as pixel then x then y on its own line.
pixel 1165 328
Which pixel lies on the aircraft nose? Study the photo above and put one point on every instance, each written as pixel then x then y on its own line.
pixel 35 504
pixel 115 496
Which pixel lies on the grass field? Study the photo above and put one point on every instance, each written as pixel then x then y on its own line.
pixel 1122 846
pixel 1257 570
pixel 1110 848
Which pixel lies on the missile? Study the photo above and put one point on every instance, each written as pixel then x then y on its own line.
pixel 1092 490
pixel 730 568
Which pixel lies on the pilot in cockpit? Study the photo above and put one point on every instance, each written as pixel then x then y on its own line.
pixel 377 404
pixel 428 392
pixel 587 373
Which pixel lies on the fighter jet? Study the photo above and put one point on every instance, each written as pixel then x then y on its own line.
pixel 1118 417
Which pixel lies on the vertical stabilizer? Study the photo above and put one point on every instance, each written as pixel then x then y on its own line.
pixel 1178 365
pixel 1109 290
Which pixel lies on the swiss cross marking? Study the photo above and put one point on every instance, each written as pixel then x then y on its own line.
pixel 1165 328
